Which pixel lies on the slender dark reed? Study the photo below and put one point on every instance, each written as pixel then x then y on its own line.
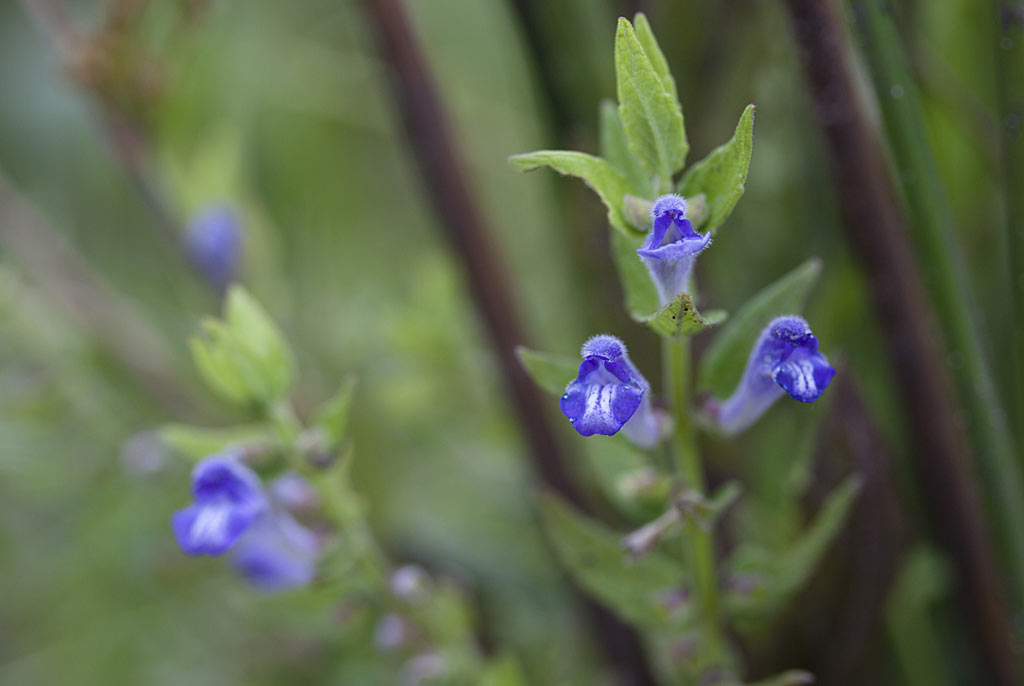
pixel 877 232
pixel 444 177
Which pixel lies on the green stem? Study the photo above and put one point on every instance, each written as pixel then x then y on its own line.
pixel 684 447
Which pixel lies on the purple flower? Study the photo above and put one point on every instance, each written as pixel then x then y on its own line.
pixel 785 359
pixel 214 244
pixel 671 247
pixel 228 499
pixel 609 394
pixel 277 553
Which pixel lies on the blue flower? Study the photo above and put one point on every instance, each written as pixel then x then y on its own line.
pixel 228 499
pixel 785 359
pixel 671 247
pixel 609 394
pixel 214 244
pixel 277 553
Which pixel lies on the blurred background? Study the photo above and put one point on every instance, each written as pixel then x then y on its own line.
pixel 284 113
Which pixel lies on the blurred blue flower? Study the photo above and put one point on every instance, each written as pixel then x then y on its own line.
pixel 785 359
pixel 277 553
pixel 228 499
pixel 671 247
pixel 609 394
pixel 214 244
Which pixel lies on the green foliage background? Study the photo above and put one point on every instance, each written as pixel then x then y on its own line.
pixel 283 109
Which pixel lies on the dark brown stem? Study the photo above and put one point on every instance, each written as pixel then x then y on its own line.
pixel 877 232
pixel 444 178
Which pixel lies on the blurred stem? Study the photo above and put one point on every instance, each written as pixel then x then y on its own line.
pixel 1009 60
pixel 461 218
pixel 341 504
pixel 877 232
pixel 938 253
pixel 684 447
pixel 126 140
pixel 45 256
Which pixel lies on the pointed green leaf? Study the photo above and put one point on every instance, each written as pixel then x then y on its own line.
pixel 603 179
pixel 255 332
pixel 332 419
pixel 645 36
pixel 726 357
pixel 615 149
pixel 594 557
pixel 681 318
pixel 641 296
pixel 197 442
pixel 779 576
pixel 650 114
pixel 722 174
pixel 551 372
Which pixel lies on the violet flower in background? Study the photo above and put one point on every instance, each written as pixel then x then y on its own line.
pixel 609 394
pixel 214 245
pixel 277 553
pixel 228 499
pixel 785 359
pixel 671 248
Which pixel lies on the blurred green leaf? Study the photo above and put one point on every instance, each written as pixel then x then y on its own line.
pixel 641 296
pixel 551 372
pixel 722 174
pixel 244 358
pixel 502 670
pixel 792 677
pixel 615 149
pixel 650 113
pixel 610 185
pixel 779 575
pixel 724 361
pixel 681 318
pixel 593 555
pixel 197 442
pixel 332 418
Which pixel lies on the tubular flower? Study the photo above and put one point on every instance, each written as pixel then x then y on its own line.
pixel 671 247
pixel 277 553
pixel 785 359
pixel 228 498
pixel 609 394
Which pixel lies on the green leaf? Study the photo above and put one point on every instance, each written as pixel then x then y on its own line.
pixel 260 338
pixel 332 419
pixel 551 372
pixel 726 357
pixel 197 442
pixel 722 174
pixel 681 318
pixel 610 185
pixel 641 296
pixel 594 557
pixel 503 670
pixel 244 358
pixel 615 149
pixel 645 36
pixel 779 576
pixel 650 114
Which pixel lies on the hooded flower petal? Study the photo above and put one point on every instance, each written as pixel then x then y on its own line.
pixel 609 394
pixel 671 247
pixel 277 554
pixel 227 500
pixel 785 360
